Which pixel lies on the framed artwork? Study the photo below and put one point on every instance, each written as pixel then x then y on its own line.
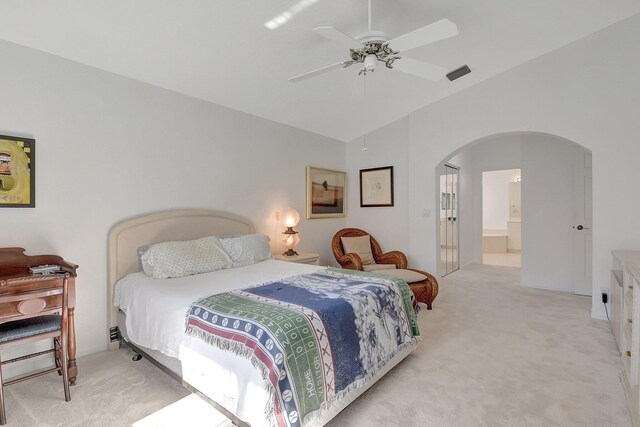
pixel 376 187
pixel 326 193
pixel 17 172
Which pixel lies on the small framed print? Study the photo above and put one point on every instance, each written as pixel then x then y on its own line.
pixel 326 193
pixel 17 172
pixel 376 187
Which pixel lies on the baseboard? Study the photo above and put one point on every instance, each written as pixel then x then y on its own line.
pixel 597 312
pixel 85 351
pixel 597 315
pixel 544 287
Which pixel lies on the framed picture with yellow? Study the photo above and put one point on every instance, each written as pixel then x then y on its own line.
pixel 326 193
pixel 17 172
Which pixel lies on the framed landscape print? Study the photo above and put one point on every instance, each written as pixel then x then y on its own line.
pixel 326 193
pixel 17 172
pixel 376 187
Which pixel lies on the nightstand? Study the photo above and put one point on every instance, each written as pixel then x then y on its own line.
pixel 301 258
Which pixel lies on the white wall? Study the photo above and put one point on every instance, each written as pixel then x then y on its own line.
pixel 577 92
pixel 382 150
pixel 495 198
pixel 109 148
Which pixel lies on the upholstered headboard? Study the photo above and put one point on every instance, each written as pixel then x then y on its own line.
pixel 127 236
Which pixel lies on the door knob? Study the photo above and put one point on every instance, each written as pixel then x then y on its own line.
pixel 580 227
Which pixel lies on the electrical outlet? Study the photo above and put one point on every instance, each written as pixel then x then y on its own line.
pixel 605 297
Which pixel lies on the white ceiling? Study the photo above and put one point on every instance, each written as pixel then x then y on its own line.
pixel 221 51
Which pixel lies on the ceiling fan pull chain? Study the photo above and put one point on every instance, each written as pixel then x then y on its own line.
pixel 364 97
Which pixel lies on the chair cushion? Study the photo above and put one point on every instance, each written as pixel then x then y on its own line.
pixel 360 246
pixel 408 276
pixel 24 328
pixel 374 267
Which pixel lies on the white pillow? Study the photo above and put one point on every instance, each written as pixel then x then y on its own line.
pixel 178 259
pixel 246 249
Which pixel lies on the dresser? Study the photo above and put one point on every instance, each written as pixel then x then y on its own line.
pixel 624 315
pixel 16 278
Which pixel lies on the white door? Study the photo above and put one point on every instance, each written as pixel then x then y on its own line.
pixel 582 233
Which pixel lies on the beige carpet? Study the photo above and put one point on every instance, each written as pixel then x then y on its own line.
pixel 493 354
pixel 509 259
pixel 496 354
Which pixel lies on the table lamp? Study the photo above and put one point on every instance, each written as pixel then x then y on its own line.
pixel 290 218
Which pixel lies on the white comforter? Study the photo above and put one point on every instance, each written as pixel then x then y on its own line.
pixel 156 310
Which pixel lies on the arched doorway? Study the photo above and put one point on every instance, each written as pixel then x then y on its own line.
pixel 556 207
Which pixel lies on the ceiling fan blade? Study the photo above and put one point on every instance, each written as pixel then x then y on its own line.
pixel 419 68
pixel 319 71
pixel 338 36
pixel 431 33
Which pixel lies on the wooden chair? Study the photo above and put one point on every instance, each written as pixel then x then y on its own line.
pixel 394 263
pixel 26 317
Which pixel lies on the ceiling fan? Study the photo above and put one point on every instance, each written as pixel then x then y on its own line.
pixel 373 46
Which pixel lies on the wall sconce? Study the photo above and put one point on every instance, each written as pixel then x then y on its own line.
pixel 290 218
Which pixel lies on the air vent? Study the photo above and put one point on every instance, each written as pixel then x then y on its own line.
pixel 456 74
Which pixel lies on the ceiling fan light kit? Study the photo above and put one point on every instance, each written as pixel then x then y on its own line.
pixel 370 62
pixel 374 46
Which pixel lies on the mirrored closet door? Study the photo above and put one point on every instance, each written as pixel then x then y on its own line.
pixel 449 201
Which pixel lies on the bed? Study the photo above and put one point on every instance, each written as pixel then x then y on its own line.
pixel 148 315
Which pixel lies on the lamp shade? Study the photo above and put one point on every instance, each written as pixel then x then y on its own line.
pixel 290 217
pixel 370 62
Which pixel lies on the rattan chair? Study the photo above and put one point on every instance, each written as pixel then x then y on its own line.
pixel 394 263
pixel 352 261
pixel 33 316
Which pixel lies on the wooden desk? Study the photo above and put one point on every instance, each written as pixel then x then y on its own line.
pixel 16 278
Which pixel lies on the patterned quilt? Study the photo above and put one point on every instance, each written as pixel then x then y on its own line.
pixel 314 337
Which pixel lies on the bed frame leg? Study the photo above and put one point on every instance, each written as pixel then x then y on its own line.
pixel 136 357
